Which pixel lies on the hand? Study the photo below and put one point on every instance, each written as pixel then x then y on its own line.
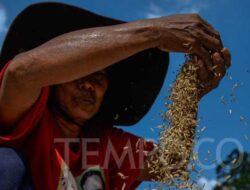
pixel 211 79
pixel 188 33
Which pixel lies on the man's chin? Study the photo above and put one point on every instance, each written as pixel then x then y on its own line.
pixel 84 116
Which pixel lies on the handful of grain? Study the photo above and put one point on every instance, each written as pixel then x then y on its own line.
pixel 176 140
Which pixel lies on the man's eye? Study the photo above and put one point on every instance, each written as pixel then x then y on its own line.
pixel 98 78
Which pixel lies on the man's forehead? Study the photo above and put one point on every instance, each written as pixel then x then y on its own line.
pixel 103 71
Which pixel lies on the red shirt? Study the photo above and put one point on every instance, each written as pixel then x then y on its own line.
pixel 106 157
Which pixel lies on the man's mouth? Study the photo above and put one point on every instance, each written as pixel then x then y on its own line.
pixel 86 100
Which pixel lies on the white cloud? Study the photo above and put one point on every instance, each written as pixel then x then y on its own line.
pixel 154 11
pixel 207 184
pixel 3 19
pixel 168 7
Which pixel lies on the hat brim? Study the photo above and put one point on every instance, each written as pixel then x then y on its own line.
pixel 134 82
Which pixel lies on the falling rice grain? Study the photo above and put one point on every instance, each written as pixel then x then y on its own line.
pixel 123 186
pixel 203 129
pixel 222 98
pixel 122 175
pixel 176 139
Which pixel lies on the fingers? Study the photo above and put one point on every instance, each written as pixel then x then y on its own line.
pixel 201 44
pixel 204 77
pixel 226 56
pixel 210 79
pixel 210 30
pixel 203 54
pixel 202 71
pixel 219 66
pixel 208 41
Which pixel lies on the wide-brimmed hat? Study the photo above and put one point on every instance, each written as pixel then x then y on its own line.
pixel 134 83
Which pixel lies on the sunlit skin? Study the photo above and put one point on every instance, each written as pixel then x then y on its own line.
pixel 61 59
pixel 81 100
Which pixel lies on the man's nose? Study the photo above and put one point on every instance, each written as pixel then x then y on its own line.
pixel 86 85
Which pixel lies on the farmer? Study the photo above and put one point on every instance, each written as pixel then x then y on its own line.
pixel 68 76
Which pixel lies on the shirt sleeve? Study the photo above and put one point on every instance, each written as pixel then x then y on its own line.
pixel 128 155
pixel 28 122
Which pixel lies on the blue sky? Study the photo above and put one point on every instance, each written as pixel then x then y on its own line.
pixel 231 18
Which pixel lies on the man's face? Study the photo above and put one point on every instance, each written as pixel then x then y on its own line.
pixel 81 99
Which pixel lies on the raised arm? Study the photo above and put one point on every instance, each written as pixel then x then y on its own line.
pixel 79 53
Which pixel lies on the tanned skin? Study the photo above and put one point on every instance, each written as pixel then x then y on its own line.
pixel 68 60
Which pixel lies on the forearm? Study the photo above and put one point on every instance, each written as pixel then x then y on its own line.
pixel 79 53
